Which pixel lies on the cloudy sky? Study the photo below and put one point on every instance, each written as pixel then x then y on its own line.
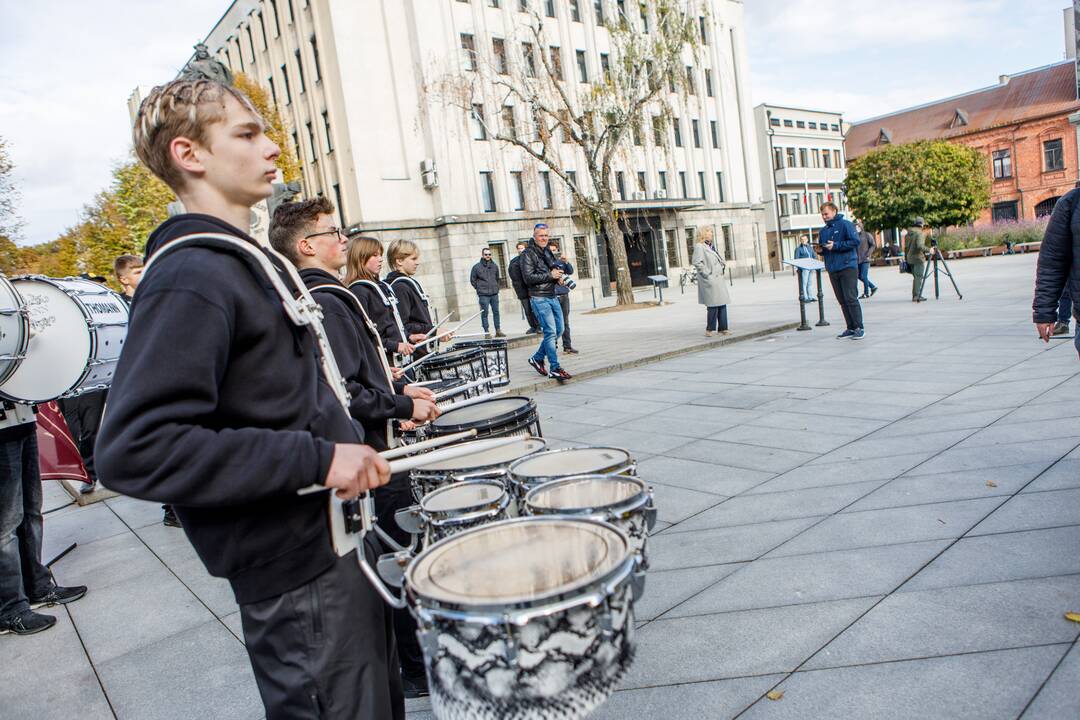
pixel 67 68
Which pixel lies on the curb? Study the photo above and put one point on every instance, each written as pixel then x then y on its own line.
pixel 637 362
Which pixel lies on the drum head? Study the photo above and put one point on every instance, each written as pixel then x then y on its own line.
pixel 488 413
pixel 462 496
pixel 575 461
pixel 499 564
pixel 454 358
pixel 585 493
pixel 489 458
pixel 59 347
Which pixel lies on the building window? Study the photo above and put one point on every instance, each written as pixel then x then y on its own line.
pixel 796 204
pixel 509 126
pixel 251 42
pixel 729 242
pixel 273 90
pixel 643 12
pixel 582 68
pixel 326 129
pixel 783 206
pixel 1046 207
pixel 498 255
pixel 479 127
pixel 719 186
pixel 689 233
pixel 708 82
pixel 545 188
pixel 581 254
pixel 803 162
pixel 315 56
pixel 836 159
pixel 827 157
pixel 493 3
pixel 523 5
pixel 701 186
pixel 311 142
pixel 1004 212
pixel 1002 164
pixel 517 188
pixel 812 125
pixel 605 66
pixel 528 56
pixel 836 128
pixel 620 184
pixel 487 191
pixel 1053 157
pixel 775 122
pixel 340 207
pixel 635 133
pixel 658 131
pixel 598 10
pixel 663 183
pixel 556 61
pixel 575 10
pixel 691 86
pixel 701 27
pixel 677 125
pixel 549 8
pixel 468 48
pixel 778 158
pixel 788 123
pixel 277 23
pixel 800 124
pixel 498 49
pixel 300 72
pixel 641 181
pixel 296 147
pixel 288 91
pixel 695 128
pixel 682 184
pixel 672 248
pixel 790 155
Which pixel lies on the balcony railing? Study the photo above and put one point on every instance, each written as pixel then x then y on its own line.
pixel 812 176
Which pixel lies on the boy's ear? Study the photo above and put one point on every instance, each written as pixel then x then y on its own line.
pixel 184 152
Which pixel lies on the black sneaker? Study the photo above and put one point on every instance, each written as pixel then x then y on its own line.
pixel 414 687
pixel 845 334
pixel 873 291
pixel 570 351
pixel 1061 329
pixel 27 622
pixel 560 375
pixel 58 596
pixel 169 519
pixel 538 365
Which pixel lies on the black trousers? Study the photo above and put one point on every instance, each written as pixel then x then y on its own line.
pixel 564 303
pixel 325 649
pixel 845 285
pixel 390 498
pixel 530 316
pixel 82 414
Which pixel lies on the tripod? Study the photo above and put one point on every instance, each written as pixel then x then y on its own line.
pixel 935 258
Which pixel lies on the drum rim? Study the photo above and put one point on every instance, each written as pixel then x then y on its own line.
pixel 494 343
pixel 24 332
pixel 519 611
pixel 636 501
pixel 423 472
pixel 439 360
pixel 450 517
pixel 630 462
pixel 505 418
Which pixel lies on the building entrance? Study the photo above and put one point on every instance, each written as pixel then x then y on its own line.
pixel 644 250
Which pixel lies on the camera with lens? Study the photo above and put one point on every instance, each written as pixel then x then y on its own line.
pixel 568 283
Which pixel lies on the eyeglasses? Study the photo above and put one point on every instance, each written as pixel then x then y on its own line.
pixel 331 231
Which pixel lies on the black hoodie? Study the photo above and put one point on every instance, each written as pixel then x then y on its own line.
pixel 380 313
pixel 413 307
pixel 218 408
pixel 374 398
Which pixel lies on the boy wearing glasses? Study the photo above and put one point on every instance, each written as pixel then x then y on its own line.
pixel 485 280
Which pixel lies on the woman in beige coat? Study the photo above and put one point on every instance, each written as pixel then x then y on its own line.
pixel 711 284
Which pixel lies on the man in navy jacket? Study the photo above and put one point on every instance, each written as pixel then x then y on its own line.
pixel 839 243
pixel 1059 265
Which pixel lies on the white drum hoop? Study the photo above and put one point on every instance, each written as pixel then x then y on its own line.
pixel 14 330
pixel 521 484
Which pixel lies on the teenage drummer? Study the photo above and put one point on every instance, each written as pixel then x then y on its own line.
pixel 218 408
pixel 364 262
pixel 413 303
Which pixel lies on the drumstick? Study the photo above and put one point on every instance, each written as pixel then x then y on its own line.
pixel 471 401
pixel 414 363
pixel 439 324
pixel 426 445
pixel 446 453
pixel 422 343
pixel 469 335
pixel 466 321
pixel 466 386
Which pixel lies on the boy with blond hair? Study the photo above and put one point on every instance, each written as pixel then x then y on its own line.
pixel 219 409
pixel 128 270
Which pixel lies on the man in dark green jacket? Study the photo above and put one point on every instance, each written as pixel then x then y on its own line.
pixel 915 255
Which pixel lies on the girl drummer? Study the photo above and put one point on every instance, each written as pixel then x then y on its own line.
pixel 362 268
pixel 413 305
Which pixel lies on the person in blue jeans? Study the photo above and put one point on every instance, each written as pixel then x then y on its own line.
pixel 804 251
pixel 541 273
pixel 864 251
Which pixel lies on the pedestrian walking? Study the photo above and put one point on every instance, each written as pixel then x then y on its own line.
pixel 712 290
pixel 541 276
pixel 839 242
pixel 562 294
pixel 521 290
pixel 1058 271
pixel 485 280
pixel 865 249
pixel 915 256
pixel 804 252
pixel 1065 308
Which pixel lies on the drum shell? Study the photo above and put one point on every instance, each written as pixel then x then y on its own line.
pixel 496 354
pixel 426 481
pixel 441 524
pixel 520 485
pixel 524 422
pixel 14 329
pixel 482 661
pixel 469 364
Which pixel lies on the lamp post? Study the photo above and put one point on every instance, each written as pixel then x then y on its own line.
pixel 775 197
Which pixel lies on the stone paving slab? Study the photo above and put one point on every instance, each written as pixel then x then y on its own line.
pixel 1059 698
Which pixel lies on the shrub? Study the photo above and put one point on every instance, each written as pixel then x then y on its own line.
pixel 1022 231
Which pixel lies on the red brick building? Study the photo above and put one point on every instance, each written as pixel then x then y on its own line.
pixel 1021 125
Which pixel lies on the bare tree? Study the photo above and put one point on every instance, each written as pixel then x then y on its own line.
pixel 10 222
pixel 599 118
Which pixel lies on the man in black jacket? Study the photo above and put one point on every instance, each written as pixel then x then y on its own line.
pixel 541 273
pixel 485 280
pixel 521 290
pixel 1059 265
pixel 218 408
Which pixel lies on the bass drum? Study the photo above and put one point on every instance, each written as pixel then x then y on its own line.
pixel 77 332
pixel 14 329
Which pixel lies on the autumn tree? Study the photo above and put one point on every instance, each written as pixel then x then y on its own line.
pixel 277 127
pixel 555 115
pixel 945 184
pixel 9 195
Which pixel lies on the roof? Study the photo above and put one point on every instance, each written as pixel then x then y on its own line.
pixel 1048 90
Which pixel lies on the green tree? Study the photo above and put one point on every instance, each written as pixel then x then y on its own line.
pixel 277 127
pixel 945 184
pixel 10 257
pixel 9 195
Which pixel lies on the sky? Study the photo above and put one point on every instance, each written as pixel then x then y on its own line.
pixel 67 68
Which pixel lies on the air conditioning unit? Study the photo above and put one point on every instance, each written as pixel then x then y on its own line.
pixel 428 174
pixel 638 195
pixel 659 194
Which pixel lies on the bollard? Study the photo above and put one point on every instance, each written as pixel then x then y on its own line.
pixel 820 302
pixel 803 324
pixel 593 288
pixel 753 278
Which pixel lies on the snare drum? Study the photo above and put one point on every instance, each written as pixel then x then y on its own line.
pixel 527 473
pixel 439 386
pixel 497 417
pixel 468 364
pixel 78 332
pixel 625 502
pixel 454 508
pixel 525 619
pixel 495 351
pixel 490 464
pixel 14 329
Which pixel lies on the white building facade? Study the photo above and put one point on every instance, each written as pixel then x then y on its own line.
pixel 801 155
pixel 354 79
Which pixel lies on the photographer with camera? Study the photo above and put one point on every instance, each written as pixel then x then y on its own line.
pixel 915 256
pixel 562 293
pixel 542 275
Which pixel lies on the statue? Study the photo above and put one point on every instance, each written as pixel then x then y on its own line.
pixel 204 67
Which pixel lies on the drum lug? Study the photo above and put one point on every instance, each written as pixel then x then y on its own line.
pixel 511 643
pixel 650 513
pixel 637 579
pixel 391 567
pixel 408 519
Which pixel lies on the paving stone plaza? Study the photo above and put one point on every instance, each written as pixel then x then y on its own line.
pixel 884 528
